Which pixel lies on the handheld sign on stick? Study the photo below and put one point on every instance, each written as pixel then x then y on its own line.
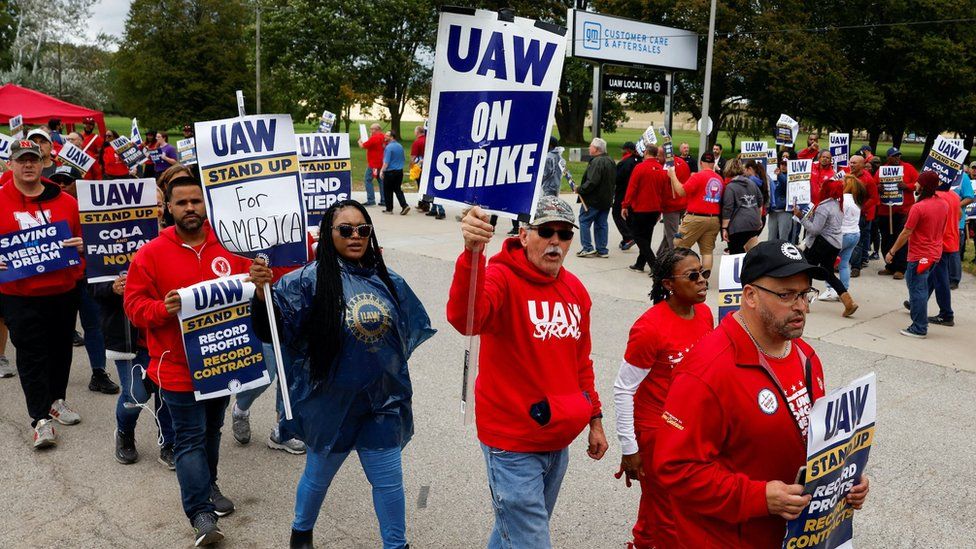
pixel 889 177
pixel 71 155
pixel 493 95
pixel 324 162
pixel 253 192
pixel 786 130
pixel 117 218
pixel 17 126
pixel 240 104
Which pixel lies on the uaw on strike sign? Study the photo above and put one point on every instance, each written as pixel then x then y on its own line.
pixel 253 188
pixel 494 91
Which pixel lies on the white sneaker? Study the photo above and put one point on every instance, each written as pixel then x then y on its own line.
pixel 292 446
pixel 6 368
pixel 829 295
pixel 64 415
pixel 44 435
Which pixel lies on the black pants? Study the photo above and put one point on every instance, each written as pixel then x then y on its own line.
pixel 889 233
pixel 822 254
pixel 737 241
pixel 392 183
pixel 623 226
pixel 642 227
pixel 42 329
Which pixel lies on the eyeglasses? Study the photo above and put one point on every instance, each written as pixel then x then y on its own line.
pixel 547 232
pixel 346 231
pixel 695 275
pixel 790 298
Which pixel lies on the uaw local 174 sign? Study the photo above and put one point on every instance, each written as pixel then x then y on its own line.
pixel 223 352
pixel 253 188
pixel 839 441
pixel 945 159
pixel 117 218
pixel 494 91
pixel 729 285
pixel 325 166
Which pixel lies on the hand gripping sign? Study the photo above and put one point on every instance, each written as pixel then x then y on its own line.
pixel 223 352
pixel 117 218
pixel 36 251
pixel 838 444
pixel 493 95
pixel 253 191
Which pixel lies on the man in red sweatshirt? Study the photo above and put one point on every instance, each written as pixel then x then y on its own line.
pixel 374 161
pixel 642 205
pixel 746 387
pixel 184 254
pixel 534 392
pixel 40 310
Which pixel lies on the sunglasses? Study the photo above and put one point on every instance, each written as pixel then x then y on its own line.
pixel 547 232
pixel 346 231
pixel 695 275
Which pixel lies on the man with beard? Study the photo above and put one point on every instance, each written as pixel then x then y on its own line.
pixel 748 384
pixel 183 255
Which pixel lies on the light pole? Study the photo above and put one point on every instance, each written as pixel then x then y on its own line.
pixel 703 135
pixel 257 55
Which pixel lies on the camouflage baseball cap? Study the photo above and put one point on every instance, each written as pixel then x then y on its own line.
pixel 552 208
pixel 23 147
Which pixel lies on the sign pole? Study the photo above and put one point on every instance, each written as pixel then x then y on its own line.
pixel 471 355
pixel 703 136
pixel 597 98
pixel 668 77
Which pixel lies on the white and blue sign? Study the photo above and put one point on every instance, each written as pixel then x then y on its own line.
pixel 136 136
pixel 840 149
pixel 128 152
pixel 945 159
pixel 494 92
pixel 839 441
pixel 70 155
pixel 729 285
pixel 325 167
pixel 117 218
pixel 223 352
pixel 618 40
pixel 889 177
pixel 5 144
pixel 756 151
pixel 253 188
pixel 36 251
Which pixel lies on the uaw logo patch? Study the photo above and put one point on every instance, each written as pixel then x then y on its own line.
pixel 220 266
pixel 791 251
pixel 367 317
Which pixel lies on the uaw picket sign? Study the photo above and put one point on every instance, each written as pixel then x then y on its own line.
pixel 945 159
pixel 494 91
pixel 36 250
pixel 117 218
pixel 889 177
pixel 253 188
pixel 729 285
pixel 840 148
pixel 70 155
pixel 128 152
pixel 798 182
pixel 325 167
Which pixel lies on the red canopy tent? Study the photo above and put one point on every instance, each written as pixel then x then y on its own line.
pixel 38 108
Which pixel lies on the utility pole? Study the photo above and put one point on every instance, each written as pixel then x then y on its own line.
pixel 257 55
pixel 703 135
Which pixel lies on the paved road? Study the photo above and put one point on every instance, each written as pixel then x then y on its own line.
pixel 78 496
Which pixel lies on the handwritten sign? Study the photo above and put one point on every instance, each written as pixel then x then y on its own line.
pixel 325 166
pixel 798 177
pixel 223 352
pixel 117 218
pixel 249 168
pixel 36 251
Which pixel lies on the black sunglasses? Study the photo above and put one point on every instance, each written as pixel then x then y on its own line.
pixel 547 232
pixel 695 275
pixel 346 231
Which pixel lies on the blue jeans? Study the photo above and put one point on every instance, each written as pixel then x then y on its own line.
pixel 134 392
pixel 383 471
pixel 601 229
pixel 245 399
pixel 197 449
pixel 438 209
pixel 368 183
pixel 524 488
pixel 918 297
pixel 863 248
pixel 91 323
pixel 955 264
pixel 849 244
pixel 780 225
pixel 939 283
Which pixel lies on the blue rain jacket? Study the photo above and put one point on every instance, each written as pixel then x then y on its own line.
pixel 365 404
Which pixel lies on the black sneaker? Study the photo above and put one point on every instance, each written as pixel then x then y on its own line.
pixel 205 530
pixel 222 505
pixel 125 448
pixel 78 341
pixel 167 457
pixel 941 321
pixel 102 383
pixel 300 539
pixel 908 306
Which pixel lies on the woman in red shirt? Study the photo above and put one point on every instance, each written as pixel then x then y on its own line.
pixel 659 341
pixel 114 167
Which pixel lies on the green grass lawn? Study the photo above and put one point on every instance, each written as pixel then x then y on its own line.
pixel 967 262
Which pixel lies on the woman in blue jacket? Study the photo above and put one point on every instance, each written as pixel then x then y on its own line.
pixel 780 220
pixel 348 325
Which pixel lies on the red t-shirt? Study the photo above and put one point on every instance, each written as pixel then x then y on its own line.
pixel 927 220
pixel 950 242
pixel 417 149
pixel 659 341
pixel 789 372
pixel 670 201
pixel 704 191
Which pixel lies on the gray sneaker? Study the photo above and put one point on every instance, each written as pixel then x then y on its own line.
pixel 6 368
pixel 44 435
pixel 292 446
pixel 241 425
pixel 62 414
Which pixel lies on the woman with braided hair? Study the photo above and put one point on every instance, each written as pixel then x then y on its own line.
pixel 659 341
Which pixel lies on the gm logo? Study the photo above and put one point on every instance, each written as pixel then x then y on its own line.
pixel 591 35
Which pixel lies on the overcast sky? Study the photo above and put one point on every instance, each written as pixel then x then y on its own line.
pixel 108 16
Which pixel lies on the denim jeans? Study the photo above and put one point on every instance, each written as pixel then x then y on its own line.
pixel 863 248
pixel 849 244
pixel 918 297
pixel 383 471
pixel 134 392
pixel 939 283
pixel 524 488
pixel 601 229
pixel 438 209
pixel 91 323
pixel 780 225
pixel 245 399
pixel 368 183
pixel 197 449
pixel 955 265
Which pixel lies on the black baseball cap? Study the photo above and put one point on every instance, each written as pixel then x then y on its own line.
pixel 629 146
pixel 777 259
pixel 65 175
